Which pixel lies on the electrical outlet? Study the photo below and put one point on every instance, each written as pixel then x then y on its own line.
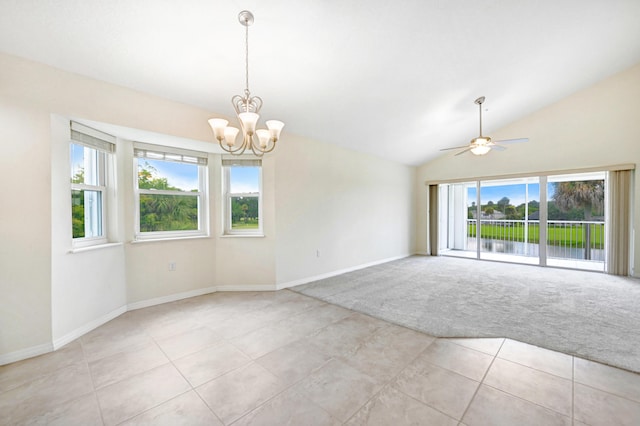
pixel 172 266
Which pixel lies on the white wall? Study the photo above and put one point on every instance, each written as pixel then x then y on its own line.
pixel 248 263
pixel 25 228
pixel 49 294
pixel 355 208
pixel 595 127
pixel 86 286
pixel 351 209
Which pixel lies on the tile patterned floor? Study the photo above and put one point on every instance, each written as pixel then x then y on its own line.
pixel 281 358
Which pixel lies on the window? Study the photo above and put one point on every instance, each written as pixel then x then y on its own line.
pixel 90 151
pixel 545 220
pixel 242 188
pixel 170 191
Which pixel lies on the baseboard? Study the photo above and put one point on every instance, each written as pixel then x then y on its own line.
pixel 307 280
pixel 25 353
pixel 91 325
pixel 79 332
pixel 170 298
pixel 268 287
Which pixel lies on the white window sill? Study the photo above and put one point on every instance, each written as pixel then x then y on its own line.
pixel 153 240
pixel 242 236
pixel 95 247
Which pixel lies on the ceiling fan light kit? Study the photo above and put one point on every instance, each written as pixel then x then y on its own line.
pixel 247 107
pixel 483 144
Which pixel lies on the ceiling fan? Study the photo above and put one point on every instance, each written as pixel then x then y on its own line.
pixel 483 144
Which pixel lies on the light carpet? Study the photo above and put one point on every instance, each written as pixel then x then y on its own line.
pixel 587 314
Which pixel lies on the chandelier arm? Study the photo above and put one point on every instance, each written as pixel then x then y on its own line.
pixel 256 151
pixel 239 150
pixel 229 150
pixel 255 147
pixel 273 146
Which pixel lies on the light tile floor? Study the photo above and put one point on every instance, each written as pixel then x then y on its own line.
pixel 277 358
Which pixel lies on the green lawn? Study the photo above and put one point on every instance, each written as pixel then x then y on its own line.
pixel 558 236
pixel 249 224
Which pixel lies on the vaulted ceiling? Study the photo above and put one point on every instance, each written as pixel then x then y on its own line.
pixel 395 79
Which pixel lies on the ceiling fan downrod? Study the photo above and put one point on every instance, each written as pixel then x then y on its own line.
pixel 479 101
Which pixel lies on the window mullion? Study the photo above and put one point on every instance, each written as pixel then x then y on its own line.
pixel 85 187
pixel 169 192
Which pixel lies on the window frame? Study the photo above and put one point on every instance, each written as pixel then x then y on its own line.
pixel 227 164
pixel 197 159
pixel 104 146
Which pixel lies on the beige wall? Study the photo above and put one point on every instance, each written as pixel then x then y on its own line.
pixel 338 209
pixel 595 127
pixel 355 208
pixel 25 227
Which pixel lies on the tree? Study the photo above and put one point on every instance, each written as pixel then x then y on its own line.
pixel 244 212
pixel 148 180
pixel 163 212
pixel 79 176
pixel 503 203
pixel 245 209
pixel 586 195
pixel 77 205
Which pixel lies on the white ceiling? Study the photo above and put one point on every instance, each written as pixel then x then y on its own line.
pixel 393 78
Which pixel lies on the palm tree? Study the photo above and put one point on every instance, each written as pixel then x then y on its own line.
pixel 587 195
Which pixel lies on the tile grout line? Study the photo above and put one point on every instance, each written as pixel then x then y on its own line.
pixel 537 369
pixel 529 402
pixel 389 384
pixel 484 376
pixel 285 389
pixel 93 383
pixel 332 358
pixel 170 361
pixel 516 396
pixel 251 361
pixel 636 402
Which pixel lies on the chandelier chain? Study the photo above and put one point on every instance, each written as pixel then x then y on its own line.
pixel 247 107
pixel 246 58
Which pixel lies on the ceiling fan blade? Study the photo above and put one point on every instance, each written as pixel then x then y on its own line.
pixel 463 151
pixel 518 140
pixel 498 147
pixel 455 147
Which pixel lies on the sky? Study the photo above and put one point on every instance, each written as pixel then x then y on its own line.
pixel 184 176
pixel 179 175
pixel 245 179
pixel 515 193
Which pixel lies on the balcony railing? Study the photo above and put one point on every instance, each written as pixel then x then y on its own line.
pixel 566 239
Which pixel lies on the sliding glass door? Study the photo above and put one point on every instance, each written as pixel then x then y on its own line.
pixel 576 221
pixel 509 220
pixel 456 232
pixel 512 220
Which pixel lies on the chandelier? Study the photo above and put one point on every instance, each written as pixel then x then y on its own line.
pixel 260 141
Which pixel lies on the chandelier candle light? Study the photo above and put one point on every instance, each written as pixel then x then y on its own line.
pixel 260 141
